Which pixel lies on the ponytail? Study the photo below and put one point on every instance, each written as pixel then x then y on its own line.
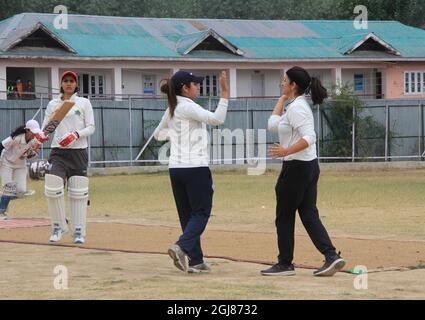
pixel 17 131
pixel 168 88
pixel 318 91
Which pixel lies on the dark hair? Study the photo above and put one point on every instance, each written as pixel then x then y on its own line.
pixel 307 84
pixel 17 131
pixel 172 92
pixel 318 91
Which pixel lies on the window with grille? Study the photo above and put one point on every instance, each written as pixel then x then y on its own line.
pixel 414 82
pixel 209 87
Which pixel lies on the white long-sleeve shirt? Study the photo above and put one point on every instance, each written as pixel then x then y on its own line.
pixel 187 132
pixel 80 118
pixel 296 123
pixel 14 151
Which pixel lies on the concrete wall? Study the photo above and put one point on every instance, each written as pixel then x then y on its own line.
pixel 272 79
pixel 133 80
pixel 395 80
pixel 244 83
pixel 132 71
pixel 41 81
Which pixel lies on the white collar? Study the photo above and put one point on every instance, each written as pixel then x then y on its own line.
pixel 291 102
pixel 182 99
pixel 73 97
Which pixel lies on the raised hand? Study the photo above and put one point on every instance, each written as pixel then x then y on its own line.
pixel 224 85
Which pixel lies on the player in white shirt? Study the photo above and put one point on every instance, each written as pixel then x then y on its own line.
pixel 69 161
pixel 14 151
pixel 184 124
pixel 296 188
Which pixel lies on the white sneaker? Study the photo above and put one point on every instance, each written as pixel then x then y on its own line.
pixel 57 234
pixel 3 216
pixel 180 258
pixel 78 237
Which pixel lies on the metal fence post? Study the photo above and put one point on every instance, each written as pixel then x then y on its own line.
pixel 247 127
pixel 103 135
pixel 353 141
pixel 318 132
pixel 41 120
pixel 131 131
pixel 423 129
pixel 421 132
pixel 387 124
pixel 143 127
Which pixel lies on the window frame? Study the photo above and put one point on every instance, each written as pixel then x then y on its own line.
pixel 412 82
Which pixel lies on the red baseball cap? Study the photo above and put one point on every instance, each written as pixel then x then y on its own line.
pixel 70 73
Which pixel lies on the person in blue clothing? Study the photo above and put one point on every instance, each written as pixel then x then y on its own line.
pixel 184 124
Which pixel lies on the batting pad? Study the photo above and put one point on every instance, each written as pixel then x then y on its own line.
pixel 54 191
pixel 78 193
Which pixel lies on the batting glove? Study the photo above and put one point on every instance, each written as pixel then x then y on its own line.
pixel 69 139
pixel 41 137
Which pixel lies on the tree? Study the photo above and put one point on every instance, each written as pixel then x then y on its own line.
pixel 339 114
pixel 411 12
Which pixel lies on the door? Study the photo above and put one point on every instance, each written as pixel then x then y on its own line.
pixel 378 89
pixel 149 85
pixel 359 84
pixel 257 84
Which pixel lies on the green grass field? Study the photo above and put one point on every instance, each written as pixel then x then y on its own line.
pixel 388 204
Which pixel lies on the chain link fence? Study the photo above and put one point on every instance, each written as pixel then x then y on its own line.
pixel 381 130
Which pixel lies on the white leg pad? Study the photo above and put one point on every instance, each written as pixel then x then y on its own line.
pixel 54 191
pixel 78 193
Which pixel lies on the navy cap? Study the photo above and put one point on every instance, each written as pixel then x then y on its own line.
pixel 182 77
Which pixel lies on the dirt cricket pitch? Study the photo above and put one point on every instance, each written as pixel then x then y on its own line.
pixel 377 219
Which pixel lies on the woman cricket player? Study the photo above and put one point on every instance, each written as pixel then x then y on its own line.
pixel 14 151
pixel 184 124
pixel 69 161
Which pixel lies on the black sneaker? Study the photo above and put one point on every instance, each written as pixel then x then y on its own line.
pixel 331 266
pixel 279 270
pixel 199 268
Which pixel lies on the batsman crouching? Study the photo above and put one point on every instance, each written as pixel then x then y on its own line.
pixel 69 161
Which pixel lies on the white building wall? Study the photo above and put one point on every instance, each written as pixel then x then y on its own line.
pixel 272 81
pixel 133 69
pixel 41 82
pixel 133 80
pixel 244 83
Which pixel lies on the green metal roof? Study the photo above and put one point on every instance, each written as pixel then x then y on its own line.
pixel 121 37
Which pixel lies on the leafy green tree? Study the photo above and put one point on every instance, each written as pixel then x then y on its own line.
pixel 411 12
pixel 339 114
